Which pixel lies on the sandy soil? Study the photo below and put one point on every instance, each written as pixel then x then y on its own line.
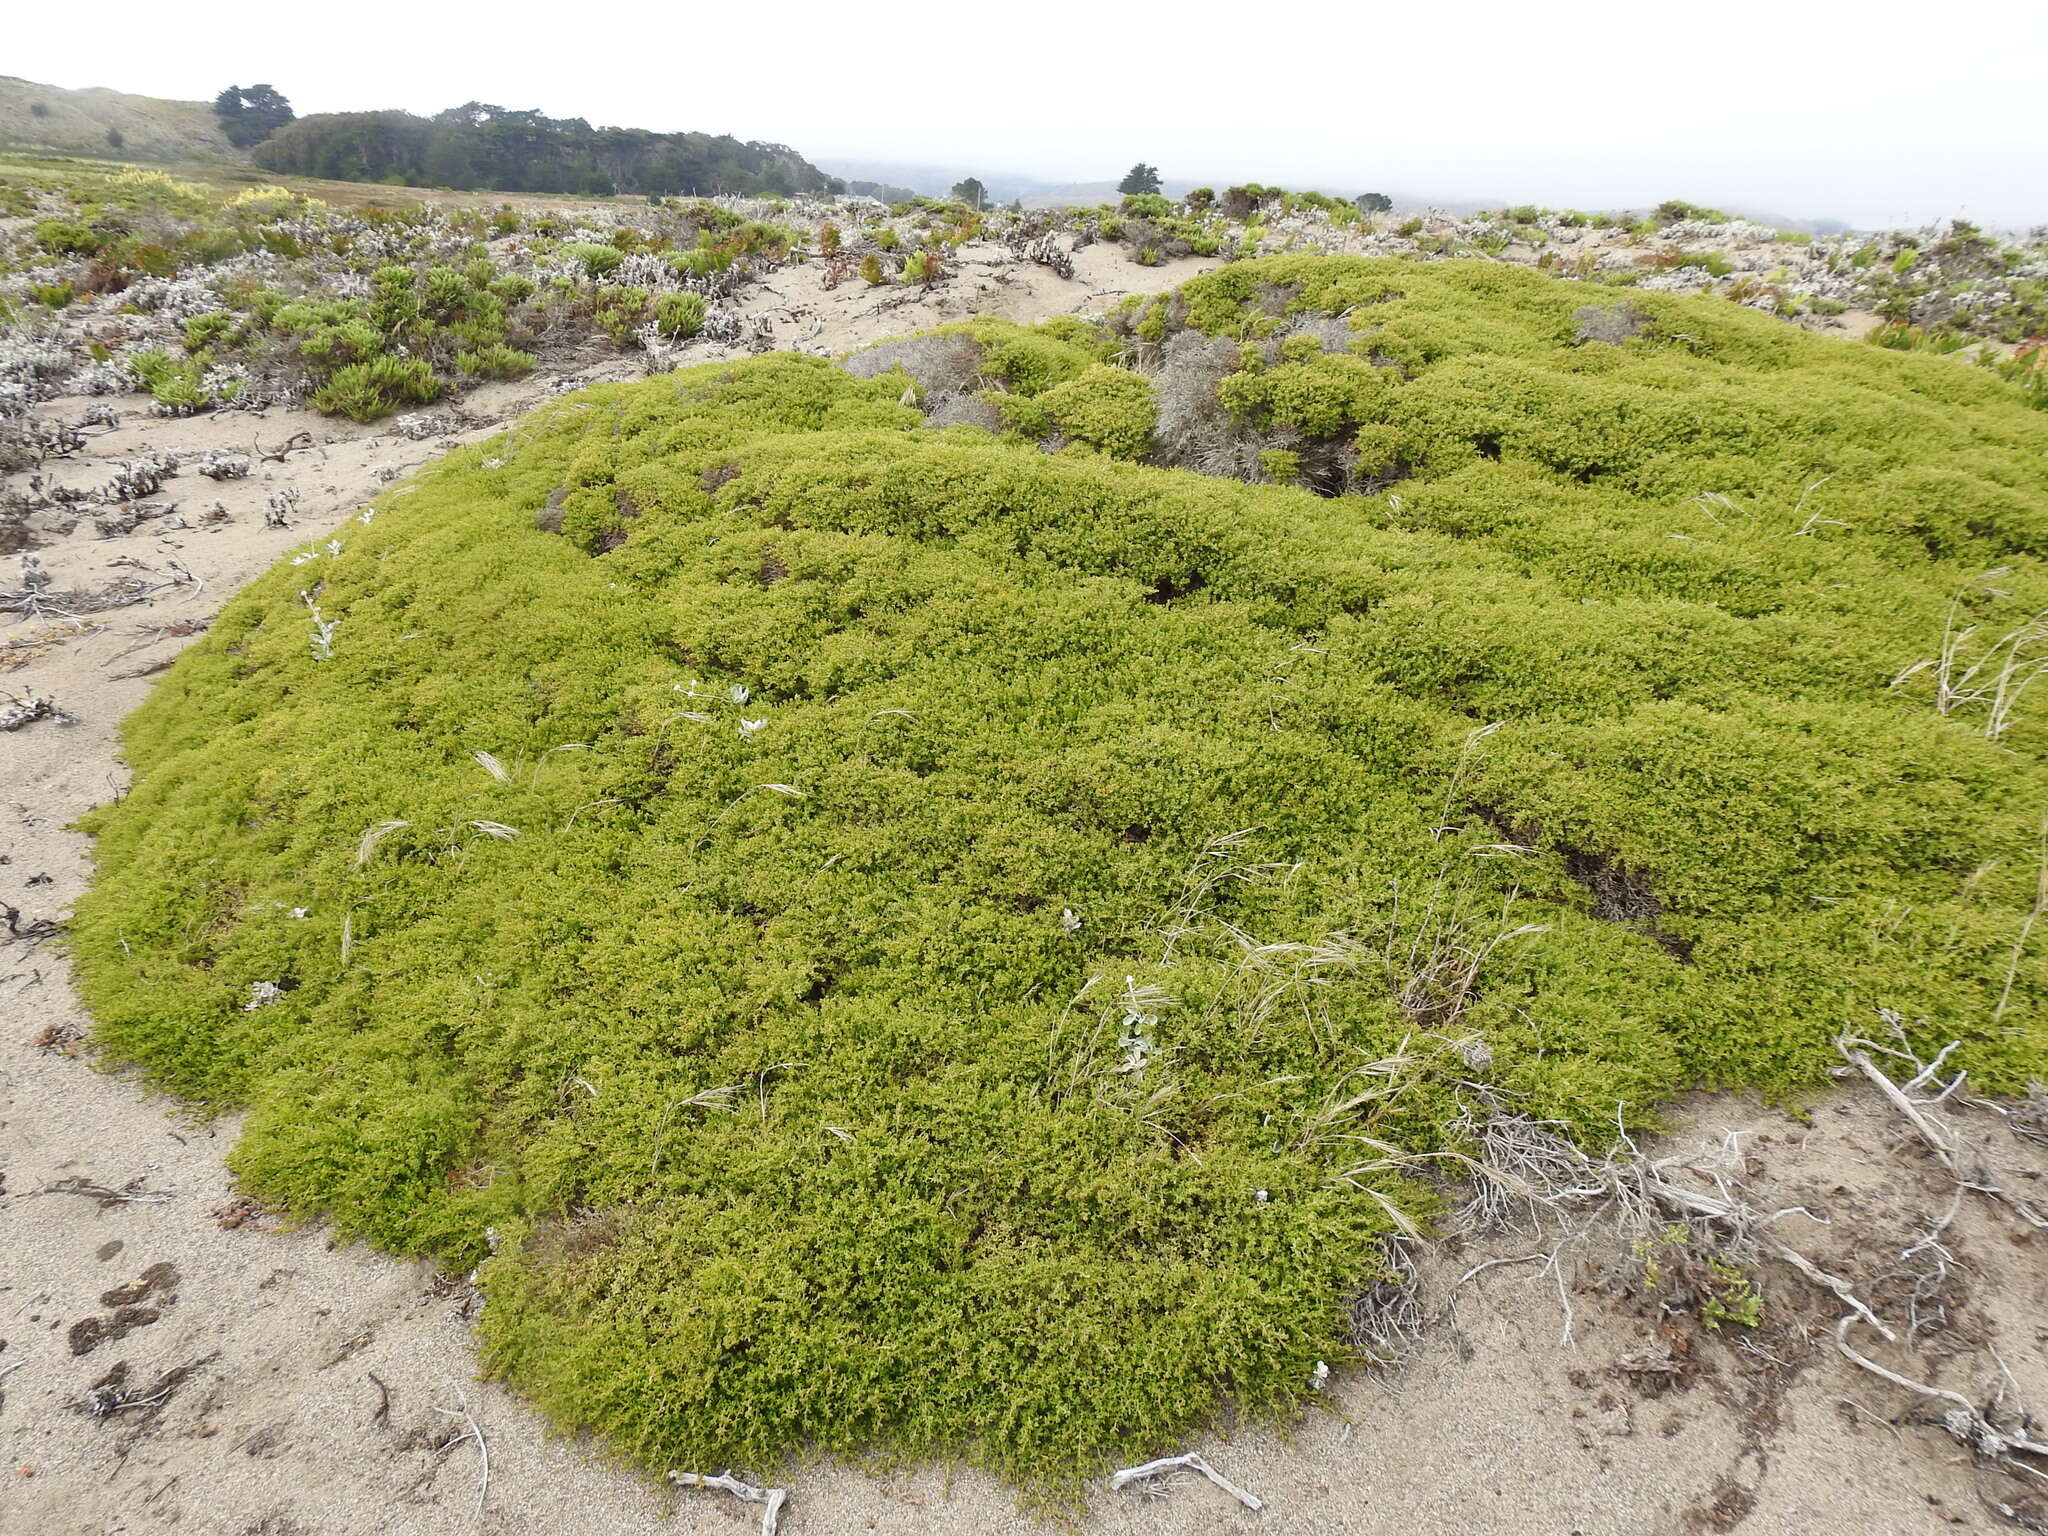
pixel 174 1361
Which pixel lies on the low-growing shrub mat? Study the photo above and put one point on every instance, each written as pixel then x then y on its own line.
pixel 902 941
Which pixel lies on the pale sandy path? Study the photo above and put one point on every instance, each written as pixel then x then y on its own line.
pixel 275 1429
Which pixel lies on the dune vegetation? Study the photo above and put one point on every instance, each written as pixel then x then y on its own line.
pixel 956 902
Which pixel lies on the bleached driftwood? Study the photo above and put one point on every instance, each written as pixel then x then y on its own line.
pixel 1191 1462
pixel 771 1498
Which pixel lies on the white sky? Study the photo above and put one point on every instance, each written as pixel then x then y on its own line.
pixel 1868 110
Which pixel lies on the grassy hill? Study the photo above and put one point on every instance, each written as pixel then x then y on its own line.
pixel 47 119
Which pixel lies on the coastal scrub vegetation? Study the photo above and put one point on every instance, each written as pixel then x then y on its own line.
pixel 878 935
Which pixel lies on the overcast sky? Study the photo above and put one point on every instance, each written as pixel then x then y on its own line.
pixel 1865 110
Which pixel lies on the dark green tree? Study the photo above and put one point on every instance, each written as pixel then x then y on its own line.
pixel 1140 178
pixel 971 192
pixel 1375 202
pixel 482 145
pixel 249 116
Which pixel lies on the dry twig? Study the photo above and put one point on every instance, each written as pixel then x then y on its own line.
pixel 771 1498
pixel 1973 1426
pixel 1191 1462
pixel 474 1432
pixel 1965 1163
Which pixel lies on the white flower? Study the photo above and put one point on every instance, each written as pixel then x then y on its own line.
pixel 749 729
pixel 1069 921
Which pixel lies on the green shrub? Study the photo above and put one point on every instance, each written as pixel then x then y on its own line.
pixel 68 237
pixel 679 316
pixel 445 292
pixel 175 383
pixel 1317 397
pixel 702 261
pixel 620 311
pixel 54 295
pixel 1107 409
pixel 596 260
pixel 330 344
pixel 898 1052
pixel 1676 211
pixel 376 387
pixel 494 360
pixel 208 330
pixel 1282 466
pixel 1707 261
pixel 512 288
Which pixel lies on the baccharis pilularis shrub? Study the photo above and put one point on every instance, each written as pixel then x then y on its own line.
pixel 907 940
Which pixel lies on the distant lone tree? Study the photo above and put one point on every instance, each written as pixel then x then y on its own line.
pixel 971 192
pixel 116 139
pixel 1139 179
pixel 249 116
pixel 1375 202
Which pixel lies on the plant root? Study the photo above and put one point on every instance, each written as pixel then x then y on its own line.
pixel 1965 1164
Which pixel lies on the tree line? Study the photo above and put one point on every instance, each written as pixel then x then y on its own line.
pixel 479 146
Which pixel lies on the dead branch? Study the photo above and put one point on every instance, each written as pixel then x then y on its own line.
pixel 1528 1171
pixel 298 442
pixel 770 1498
pixel 33 932
pixel 148 669
pixel 474 1432
pixel 1963 1419
pixel 1191 1462
pixel 26 711
pixel 1966 1165
pixel 133 1194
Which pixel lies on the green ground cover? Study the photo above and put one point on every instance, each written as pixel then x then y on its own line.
pixel 954 947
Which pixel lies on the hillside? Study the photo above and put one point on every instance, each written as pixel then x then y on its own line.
pixel 48 119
